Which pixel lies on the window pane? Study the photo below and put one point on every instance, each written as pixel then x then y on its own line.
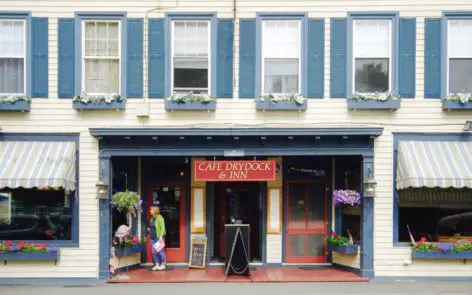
pixel 11 75
pixel 460 75
pixel 38 215
pixel 371 38
pixel 190 78
pixel 297 245
pixel 281 39
pixel 316 245
pixel 316 206
pixel 12 38
pixel 297 206
pixel 281 75
pixel 372 75
pixel 191 39
pixel 459 38
pixel 102 76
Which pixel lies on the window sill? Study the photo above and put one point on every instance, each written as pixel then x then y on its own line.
pixel 117 105
pixel 190 106
pixel 448 105
pixel 280 106
pixel 359 104
pixel 19 106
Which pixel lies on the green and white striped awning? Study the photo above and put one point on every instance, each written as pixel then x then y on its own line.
pixel 30 164
pixel 443 164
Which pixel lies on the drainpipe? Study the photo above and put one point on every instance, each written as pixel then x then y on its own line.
pixel 234 44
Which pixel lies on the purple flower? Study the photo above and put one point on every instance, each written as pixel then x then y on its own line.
pixel 13 248
pixel 445 246
pixel 346 197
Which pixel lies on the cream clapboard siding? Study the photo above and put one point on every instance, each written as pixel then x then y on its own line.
pixel 418 115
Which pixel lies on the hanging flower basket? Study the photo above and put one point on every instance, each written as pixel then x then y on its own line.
pixel 127 202
pixel 346 198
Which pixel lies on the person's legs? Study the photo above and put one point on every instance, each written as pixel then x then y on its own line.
pixel 155 255
pixel 162 259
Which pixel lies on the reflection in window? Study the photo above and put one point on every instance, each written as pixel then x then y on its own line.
pixel 460 55
pixel 36 215
pixel 371 75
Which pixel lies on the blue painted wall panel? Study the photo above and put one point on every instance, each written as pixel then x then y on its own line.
pixel 135 58
pixel 247 58
pixel 338 58
pixel 40 57
pixel 315 62
pixel 66 63
pixel 407 58
pixel 157 59
pixel 224 67
pixel 432 66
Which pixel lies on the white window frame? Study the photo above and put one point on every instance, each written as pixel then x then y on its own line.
pixel 25 42
pixel 448 57
pixel 120 57
pixel 299 22
pixel 210 53
pixel 390 70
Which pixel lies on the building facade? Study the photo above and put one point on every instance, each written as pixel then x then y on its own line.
pixel 407 132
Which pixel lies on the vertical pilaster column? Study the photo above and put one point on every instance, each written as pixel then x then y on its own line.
pixel 367 224
pixel 104 172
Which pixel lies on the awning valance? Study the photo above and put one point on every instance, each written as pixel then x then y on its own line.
pixel 30 164
pixel 431 164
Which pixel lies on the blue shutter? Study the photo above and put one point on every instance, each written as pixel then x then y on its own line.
pixel 432 59
pixel 224 67
pixel 66 67
pixel 247 58
pixel 407 60
pixel 134 75
pixel 315 61
pixel 338 58
pixel 157 60
pixel 39 65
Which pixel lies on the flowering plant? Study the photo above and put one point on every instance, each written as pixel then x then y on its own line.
pixel 462 97
pixel 130 241
pixel 460 246
pixel 21 246
pixel 346 197
pixel 126 202
pixel 14 98
pixel 377 96
pixel 191 97
pixel 334 239
pixel 107 98
pixel 275 98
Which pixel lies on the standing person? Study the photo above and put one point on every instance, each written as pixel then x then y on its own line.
pixel 157 231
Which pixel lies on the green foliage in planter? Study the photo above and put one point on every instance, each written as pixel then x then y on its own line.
pixel 14 98
pixel 106 98
pixel 462 97
pixel 191 97
pixel 274 98
pixel 376 96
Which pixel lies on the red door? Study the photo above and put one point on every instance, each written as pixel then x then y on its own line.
pixel 170 198
pixel 307 225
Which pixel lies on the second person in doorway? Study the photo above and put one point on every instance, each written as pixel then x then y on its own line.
pixel 157 232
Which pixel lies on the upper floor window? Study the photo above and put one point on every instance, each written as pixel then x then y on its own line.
pixel 12 57
pixel 101 57
pixel 191 55
pixel 460 55
pixel 372 53
pixel 281 51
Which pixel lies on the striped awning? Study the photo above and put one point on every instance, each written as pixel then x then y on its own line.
pixel 31 164
pixel 431 164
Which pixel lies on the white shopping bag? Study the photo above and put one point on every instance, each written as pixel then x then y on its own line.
pixel 159 245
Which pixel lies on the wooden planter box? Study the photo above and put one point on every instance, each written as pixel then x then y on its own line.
pixel 190 106
pixel 280 106
pixel 125 251
pixel 347 250
pixel 50 255
pixel 448 105
pixel 359 104
pixel 117 105
pixel 441 255
pixel 19 106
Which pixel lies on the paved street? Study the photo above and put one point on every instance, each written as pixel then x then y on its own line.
pixel 390 288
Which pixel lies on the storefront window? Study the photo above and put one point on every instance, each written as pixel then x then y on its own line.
pixel 35 214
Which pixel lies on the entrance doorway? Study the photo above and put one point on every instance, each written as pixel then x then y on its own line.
pixel 240 203
pixel 170 198
pixel 307 225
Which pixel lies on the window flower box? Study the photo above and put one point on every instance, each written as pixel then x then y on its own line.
pixel 128 250
pixel 347 250
pixel 190 102
pixel 27 251
pixel 99 102
pixel 458 101
pixel 374 101
pixel 292 102
pixel 15 104
pixel 441 254
pixel 50 255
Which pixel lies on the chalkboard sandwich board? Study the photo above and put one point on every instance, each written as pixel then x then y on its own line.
pixel 197 257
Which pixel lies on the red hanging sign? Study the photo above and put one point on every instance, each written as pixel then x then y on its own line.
pixel 234 170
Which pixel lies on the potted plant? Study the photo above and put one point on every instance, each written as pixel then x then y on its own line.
pixel 190 102
pixel 374 101
pixel 27 251
pixel 458 101
pixel 280 102
pixel 425 249
pixel 98 102
pixel 129 245
pixel 15 103
pixel 128 203
pixel 341 244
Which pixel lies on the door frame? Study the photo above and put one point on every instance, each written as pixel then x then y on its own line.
pixel 172 254
pixel 304 259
